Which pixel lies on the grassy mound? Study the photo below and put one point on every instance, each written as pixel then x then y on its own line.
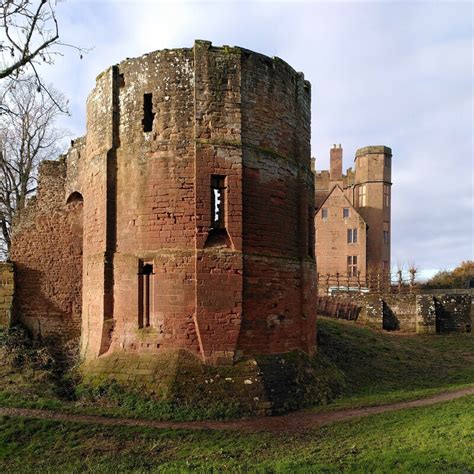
pixel 354 366
pixel 381 367
pixel 186 388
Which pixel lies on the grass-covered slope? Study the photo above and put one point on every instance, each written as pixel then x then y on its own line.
pixel 369 368
pixel 382 367
pixel 354 367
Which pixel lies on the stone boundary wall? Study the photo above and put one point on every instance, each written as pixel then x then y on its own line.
pixel 7 287
pixel 449 291
pixel 419 313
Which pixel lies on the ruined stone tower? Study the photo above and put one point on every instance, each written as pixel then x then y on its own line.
pixel 184 216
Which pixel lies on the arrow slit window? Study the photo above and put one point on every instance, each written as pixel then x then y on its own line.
pixel 218 202
pixel 145 293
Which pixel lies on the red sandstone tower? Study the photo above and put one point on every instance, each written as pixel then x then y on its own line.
pixel 187 208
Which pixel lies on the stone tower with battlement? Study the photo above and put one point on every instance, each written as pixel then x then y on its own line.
pixel 353 216
pixel 184 218
pixel 371 190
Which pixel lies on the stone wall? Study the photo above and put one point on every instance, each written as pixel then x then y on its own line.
pixel 278 208
pixel 160 129
pixel 332 247
pixel 47 252
pixel 453 313
pixel 7 286
pixel 418 313
pixel 264 385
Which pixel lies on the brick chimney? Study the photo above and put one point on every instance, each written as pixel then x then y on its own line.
pixel 336 163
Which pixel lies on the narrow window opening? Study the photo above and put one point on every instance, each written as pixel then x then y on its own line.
pixel 352 265
pixel 218 187
pixel 345 212
pixel 75 197
pixel 145 292
pixel 386 233
pixel 386 195
pixel 311 233
pixel 218 236
pixel 363 195
pixel 148 114
pixel 324 214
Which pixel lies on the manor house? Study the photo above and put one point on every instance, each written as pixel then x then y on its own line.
pixel 352 221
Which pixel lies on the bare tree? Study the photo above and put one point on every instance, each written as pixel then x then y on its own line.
pixel 27 136
pixel 29 36
pixel 400 275
pixel 413 269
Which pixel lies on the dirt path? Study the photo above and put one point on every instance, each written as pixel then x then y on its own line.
pixel 290 423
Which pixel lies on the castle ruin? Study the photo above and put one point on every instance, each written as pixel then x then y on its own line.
pixel 183 219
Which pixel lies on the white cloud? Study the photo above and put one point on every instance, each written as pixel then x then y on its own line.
pixel 393 73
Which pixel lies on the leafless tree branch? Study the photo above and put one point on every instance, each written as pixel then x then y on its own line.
pixel 29 36
pixel 27 137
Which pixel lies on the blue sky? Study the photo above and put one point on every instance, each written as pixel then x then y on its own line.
pixel 393 73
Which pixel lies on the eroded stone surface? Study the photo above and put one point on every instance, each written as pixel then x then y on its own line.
pixel 7 287
pixel 120 244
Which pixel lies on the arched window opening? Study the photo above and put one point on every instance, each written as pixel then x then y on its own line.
pixel 75 197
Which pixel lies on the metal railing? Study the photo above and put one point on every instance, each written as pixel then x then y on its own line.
pixel 371 282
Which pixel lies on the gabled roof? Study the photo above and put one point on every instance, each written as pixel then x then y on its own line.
pixel 349 204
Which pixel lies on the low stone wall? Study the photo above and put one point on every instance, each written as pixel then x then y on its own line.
pixel 453 313
pixel 448 291
pixel 7 287
pixel 334 307
pixel 420 313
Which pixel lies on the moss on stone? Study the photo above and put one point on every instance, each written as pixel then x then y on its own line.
pixel 262 385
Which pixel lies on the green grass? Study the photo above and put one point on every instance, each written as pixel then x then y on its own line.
pixel 373 368
pixel 113 401
pixel 381 367
pixel 362 366
pixel 432 439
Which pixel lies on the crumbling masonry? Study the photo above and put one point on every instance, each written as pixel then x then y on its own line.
pixel 184 218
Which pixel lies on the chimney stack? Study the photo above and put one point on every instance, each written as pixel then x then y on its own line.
pixel 336 163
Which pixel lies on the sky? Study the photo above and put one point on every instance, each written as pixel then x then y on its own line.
pixel 396 73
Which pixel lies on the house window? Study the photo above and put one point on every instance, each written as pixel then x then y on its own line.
pixel 351 236
pixel 324 213
pixel 386 233
pixel 311 232
pixel 345 212
pixel 145 292
pixel 352 265
pixel 363 195
pixel 218 187
pixel 148 114
pixel 386 195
